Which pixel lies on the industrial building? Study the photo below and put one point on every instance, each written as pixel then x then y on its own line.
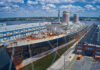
pixel 90 44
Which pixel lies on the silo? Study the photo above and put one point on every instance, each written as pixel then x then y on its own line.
pixel 66 17
pixel 76 18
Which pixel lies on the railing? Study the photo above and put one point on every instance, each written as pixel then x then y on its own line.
pixel 20 32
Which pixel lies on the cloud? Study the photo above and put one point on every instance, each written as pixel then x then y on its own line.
pixel 6 8
pixel 51 5
pixel 48 1
pixel 69 1
pixel 96 1
pixel 57 1
pixel 48 6
pixel 90 1
pixel 72 8
pixel 98 7
pixel 32 2
pixel 16 1
pixel 90 7
pixel 9 7
pixel 45 7
pixel 16 6
pixel 1 3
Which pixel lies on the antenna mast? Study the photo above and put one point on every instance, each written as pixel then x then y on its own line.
pixel 59 16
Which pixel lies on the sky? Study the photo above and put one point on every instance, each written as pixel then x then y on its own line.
pixel 48 8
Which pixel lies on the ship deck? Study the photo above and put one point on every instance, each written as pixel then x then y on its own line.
pixel 30 40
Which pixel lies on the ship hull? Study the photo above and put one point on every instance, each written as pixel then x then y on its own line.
pixel 5 61
pixel 22 53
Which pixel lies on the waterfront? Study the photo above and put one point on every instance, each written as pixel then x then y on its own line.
pixel 91 22
pixel 21 22
pixel 27 22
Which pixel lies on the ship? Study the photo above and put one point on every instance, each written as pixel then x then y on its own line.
pixel 19 44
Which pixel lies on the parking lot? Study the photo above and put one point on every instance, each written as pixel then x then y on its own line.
pixel 86 63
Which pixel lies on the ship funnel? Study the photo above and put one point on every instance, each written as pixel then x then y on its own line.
pixel 66 17
pixel 76 18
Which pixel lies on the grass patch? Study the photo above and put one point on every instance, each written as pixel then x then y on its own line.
pixel 1 47
pixel 45 62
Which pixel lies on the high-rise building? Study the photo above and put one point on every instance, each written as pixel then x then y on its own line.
pixel 66 17
pixel 76 18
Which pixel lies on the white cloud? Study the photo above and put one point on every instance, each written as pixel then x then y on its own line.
pixel 66 1
pixel 1 3
pixel 16 6
pixel 69 1
pixel 48 1
pixel 51 5
pixel 96 1
pixel 6 8
pixel 72 8
pixel 45 7
pixel 32 2
pixel 57 1
pixel 90 7
pixel 98 7
pixel 90 1
pixel 16 1
pixel 48 6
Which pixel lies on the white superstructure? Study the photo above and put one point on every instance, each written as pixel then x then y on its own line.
pixel 19 31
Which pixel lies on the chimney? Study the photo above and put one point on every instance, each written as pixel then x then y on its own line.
pixel 66 17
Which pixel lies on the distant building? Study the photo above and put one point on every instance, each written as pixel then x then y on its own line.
pixel 76 18
pixel 66 17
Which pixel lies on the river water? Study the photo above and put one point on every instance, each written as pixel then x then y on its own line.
pixel 27 22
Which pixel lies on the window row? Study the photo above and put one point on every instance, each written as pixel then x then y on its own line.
pixel 20 31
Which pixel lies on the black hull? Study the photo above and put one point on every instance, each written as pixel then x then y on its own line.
pixel 5 61
pixel 22 52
